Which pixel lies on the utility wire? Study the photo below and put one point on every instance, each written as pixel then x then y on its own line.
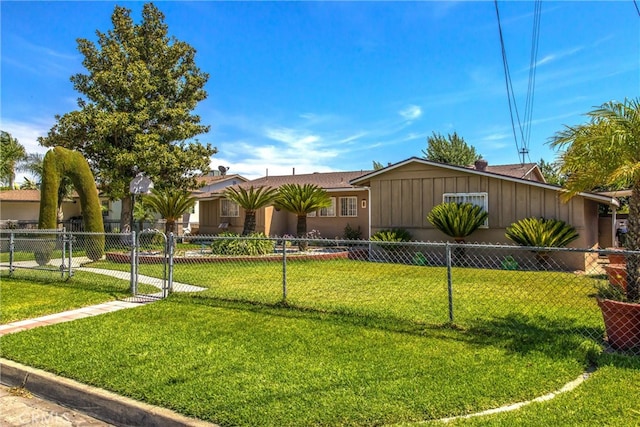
pixel 636 5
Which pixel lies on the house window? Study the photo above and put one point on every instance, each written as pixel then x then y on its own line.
pixel 477 199
pixel 229 208
pixel 349 206
pixel 329 211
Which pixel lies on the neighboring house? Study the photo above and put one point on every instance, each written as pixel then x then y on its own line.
pixel 24 206
pixel 349 206
pixel 214 182
pixel 404 193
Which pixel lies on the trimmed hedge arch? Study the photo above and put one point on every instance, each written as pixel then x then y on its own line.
pixel 60 162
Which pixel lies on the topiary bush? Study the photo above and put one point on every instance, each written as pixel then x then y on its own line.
pixel 233 244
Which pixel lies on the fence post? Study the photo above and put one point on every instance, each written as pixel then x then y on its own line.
pixel 64 251
pixel 134 275
pixel 12 248
pixel 169 285
pixel 70 241
pixel 449 281
pixel 284 270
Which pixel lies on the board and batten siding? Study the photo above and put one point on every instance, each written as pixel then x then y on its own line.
pixel 403 197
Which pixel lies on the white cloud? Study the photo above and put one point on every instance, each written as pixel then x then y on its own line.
pixel 411 112
pixel 27 134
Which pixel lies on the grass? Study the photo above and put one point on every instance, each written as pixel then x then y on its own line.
pixel 357 343
pixel 240 364
pixel 36 293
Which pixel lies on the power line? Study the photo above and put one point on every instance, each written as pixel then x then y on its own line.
pixel 636 5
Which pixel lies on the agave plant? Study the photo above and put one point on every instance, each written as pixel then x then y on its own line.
pixel 541 232
pixel 457 220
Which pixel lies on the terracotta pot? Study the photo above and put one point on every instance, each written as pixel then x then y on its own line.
pixel 617 274
pixel 622 323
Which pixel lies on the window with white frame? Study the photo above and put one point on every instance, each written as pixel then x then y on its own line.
pixel 477 199
pixel 329 211
pixel 349 206
pixel 229 208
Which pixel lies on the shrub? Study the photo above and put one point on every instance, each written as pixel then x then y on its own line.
pixel 234 244
pixel 392 235
pixel 351 233
pixel 457 220
pixel 541 232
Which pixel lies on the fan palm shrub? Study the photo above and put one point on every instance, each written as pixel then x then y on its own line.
pixel 170 205
pixel 457 220
pixel 251 200
pixel 301 200
pixel 542 233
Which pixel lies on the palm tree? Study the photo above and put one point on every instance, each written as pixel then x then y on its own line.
pixel 301 200
pixel 606 151
pixel 29 184
pixel 251 200
pixel 11 153
pixel 170 205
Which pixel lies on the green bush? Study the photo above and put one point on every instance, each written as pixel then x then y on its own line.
pixel 351 233
pixel 457 220
pixel 234 244
pixel 392 235
pixel 541 232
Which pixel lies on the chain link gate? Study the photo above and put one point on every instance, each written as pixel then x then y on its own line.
pixel 152 250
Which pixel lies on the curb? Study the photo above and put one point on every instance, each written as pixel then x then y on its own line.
pixel 98 403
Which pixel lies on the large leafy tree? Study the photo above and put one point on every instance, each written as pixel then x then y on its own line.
pixel 170 204
pixel 251 200
pixel 11 154
pixel 139 92
pixel 550 172
pixel 301 200
pixel 451 149
pixel 606 152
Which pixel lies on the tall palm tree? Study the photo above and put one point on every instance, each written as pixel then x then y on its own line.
pixel 301 200
pixel 170 205
pixel 251 200
pixel 606 151
pixel 11 153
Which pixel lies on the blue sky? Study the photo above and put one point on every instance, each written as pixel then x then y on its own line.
pixel 329 86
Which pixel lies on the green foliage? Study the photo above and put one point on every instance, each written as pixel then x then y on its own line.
pixel 541 232
pixel 170 205
pixel 551 172
pixel 451 149
pixel 139 91
pixel 391 235
pixel 233 244
pixel 457 220
pixel 11 153
pixel 251 200
pixel 604 153
pixel 300 200
pixel 60 162
pixel 377 165
pixel 351 233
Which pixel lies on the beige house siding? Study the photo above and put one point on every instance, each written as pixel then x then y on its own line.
pixel 278 223
pixel 403 197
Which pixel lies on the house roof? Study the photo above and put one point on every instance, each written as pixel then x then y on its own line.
pixel 210 179
pixel 364 180
pixel 518 170
pixel 20 196
pixel 329 181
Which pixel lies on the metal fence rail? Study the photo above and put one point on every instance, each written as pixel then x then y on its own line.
pixel 507 291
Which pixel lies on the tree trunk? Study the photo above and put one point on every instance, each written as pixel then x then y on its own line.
pixel 301 231
pixel 633 243
pixel 249 222
pixel 125 215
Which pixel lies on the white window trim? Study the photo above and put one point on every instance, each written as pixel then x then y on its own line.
pixel 355 206
pixel 235 214
pixel 331 209
pixel 466 199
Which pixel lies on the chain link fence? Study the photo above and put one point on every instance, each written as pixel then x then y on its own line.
pixel 506 292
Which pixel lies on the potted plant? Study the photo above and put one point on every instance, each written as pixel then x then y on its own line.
pixel 604 152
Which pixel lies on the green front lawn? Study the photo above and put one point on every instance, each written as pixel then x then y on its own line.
pixel 33 293
pixel 238 364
